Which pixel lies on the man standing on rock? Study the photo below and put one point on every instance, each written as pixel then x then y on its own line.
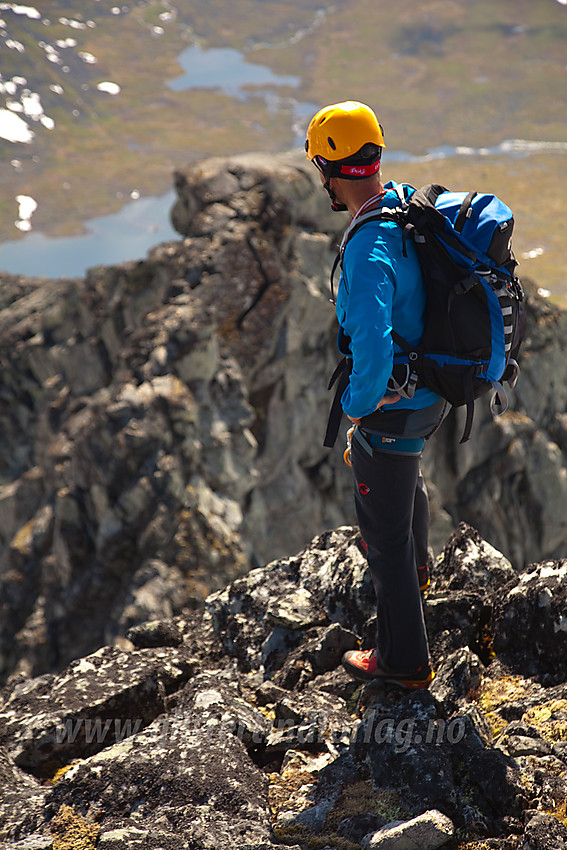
pixel 380 289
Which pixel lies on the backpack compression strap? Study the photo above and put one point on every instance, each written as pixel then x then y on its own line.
pixel 464 212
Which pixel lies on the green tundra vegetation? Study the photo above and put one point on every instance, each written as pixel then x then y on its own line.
pixel 441 75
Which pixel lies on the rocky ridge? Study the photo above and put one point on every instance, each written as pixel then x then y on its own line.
pixel 162 421
pixel 238 728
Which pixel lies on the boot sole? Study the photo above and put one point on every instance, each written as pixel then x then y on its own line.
pixel 407 684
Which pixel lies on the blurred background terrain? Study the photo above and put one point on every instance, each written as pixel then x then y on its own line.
pixel 100 102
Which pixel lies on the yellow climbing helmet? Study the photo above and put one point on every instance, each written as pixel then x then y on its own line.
pixel 345 131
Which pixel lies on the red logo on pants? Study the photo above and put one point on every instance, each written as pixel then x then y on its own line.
pixel 363 489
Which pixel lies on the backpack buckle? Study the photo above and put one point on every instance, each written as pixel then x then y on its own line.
pixel 408 385
pixel 411 385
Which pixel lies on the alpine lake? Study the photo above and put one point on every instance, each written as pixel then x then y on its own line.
pixel 116 97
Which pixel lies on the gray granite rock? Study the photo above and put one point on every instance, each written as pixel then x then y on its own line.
pixel 544 832
pixel 182 778
pixel 21 803
pixel 428 831
pixel 97 700
pixel 530 628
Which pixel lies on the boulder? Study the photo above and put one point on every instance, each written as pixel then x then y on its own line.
pixel 97 700
pixel 428 831
pixel 530 629
pixel 181 782
pixel 544 832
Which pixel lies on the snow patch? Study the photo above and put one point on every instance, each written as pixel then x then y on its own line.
pixel 13 128
pixel 108 87
pixel 76 25
pixel 12 44
pixel 531 255
pixel 28 11
pixel 8 87
pixel 27 207
pixel 50 52
pixel 32 105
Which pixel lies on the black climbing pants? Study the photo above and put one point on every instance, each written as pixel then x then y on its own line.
pixel 393 515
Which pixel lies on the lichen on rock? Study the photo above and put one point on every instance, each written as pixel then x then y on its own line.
pixel 250 735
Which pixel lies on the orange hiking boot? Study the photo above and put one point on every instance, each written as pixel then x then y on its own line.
pixel 361 664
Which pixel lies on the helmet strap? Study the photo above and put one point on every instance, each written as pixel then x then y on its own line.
pixel 329 170
pixel 336 205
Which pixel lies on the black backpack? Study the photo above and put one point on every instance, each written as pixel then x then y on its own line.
pixel 474 322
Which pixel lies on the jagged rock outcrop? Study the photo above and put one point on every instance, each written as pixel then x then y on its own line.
pixel 162 421
pixel 242 730
pixel 157 420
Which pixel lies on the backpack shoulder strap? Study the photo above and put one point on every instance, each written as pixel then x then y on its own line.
pixel 390 214
pixel 397 214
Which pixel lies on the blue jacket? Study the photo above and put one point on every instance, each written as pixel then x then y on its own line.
pixel 379 289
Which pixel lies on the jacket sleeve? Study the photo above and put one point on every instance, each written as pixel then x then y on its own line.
pixel 364 310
